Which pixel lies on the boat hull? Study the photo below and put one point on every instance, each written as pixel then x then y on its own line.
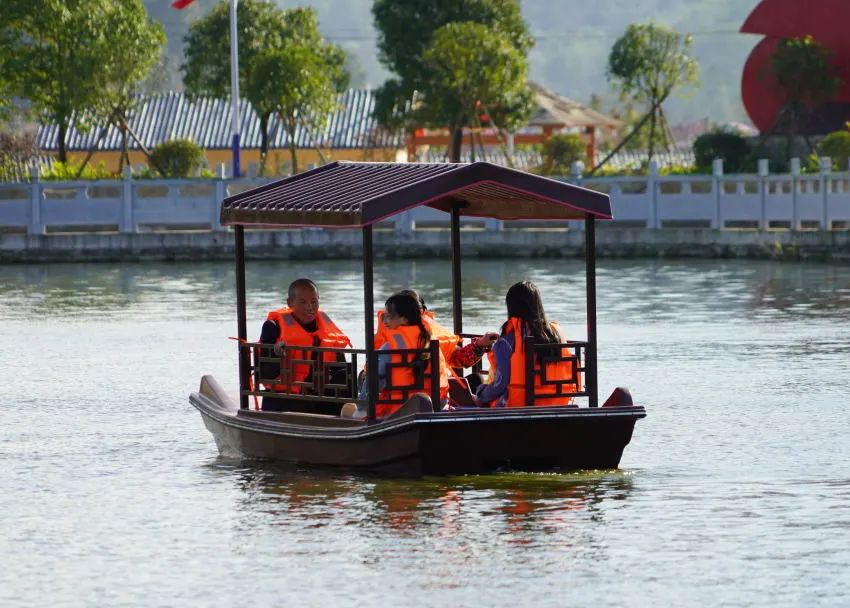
pixel 471 441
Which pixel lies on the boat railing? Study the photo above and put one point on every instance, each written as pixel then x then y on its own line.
pixel 423 362
pixel 572 352
pixel 305 370
pixel 311 375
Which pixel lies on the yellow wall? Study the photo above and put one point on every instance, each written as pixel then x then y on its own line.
pixel 277 158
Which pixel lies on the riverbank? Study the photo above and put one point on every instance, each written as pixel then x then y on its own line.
pixel 312 244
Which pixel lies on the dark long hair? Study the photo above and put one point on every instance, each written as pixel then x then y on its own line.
pixel 407 306
pixel 414 294
pixel 523 300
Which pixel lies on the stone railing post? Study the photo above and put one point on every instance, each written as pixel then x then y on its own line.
pixel 127 202
pixel 795 187
pixel 219 194
pixel 717 187
pixel 825 185
pixel 654 222
pixel 404 222
pixel 763 171
pixel 34 226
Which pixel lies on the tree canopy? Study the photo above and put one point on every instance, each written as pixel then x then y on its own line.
pixel 298 84
pixel 454 54
pixel 647 63
pixel 66 57
pixel 265 31
pixel 805 77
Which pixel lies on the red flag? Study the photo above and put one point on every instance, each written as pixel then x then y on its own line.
pixel 181 4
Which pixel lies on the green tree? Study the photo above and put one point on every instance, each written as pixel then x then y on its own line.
pixel 263 29
pixel 300 84
pixel 805 77
pixel 411 48
pixel 141 42
pixel 647 63
pixel 474 71
pixel 52 51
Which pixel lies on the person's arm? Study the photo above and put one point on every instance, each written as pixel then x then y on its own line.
pixel 383 359
pixel 269 335
pixel 469 355
pixel 502 350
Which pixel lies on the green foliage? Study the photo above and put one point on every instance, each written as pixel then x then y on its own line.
pixel 72 171
pixel 731 147
pixel 414 41
pixel 560 152
pixel 297 82
pixel 475 72
pixel 177 158
pixel 804 73
pixel 267 34
pixel 647 63
pixel 836 145
pixel 65 56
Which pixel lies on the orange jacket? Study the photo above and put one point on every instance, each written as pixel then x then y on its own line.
pixel 407 337
pixel 562 370
pixel 327 334
pixel 448 341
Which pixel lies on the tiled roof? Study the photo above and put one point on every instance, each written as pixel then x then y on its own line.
pixel 360 194
pixel 206 121
pixel 556 110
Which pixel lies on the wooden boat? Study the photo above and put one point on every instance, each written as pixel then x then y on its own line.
pixel 416 440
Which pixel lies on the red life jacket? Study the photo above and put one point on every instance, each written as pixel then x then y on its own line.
pixel 562 370
pixel 407 337
pixel 327 334
pixel 448 341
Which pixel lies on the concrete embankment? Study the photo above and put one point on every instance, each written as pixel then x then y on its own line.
pixel 830 246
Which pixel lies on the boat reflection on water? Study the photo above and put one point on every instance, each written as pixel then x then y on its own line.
pixel 526 508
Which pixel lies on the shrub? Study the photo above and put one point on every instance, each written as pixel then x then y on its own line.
pixel 836 145
pixel 731 147
pixel 560 152
pixel 177 158
pixel 67 172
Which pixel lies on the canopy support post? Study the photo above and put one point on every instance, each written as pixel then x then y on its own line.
pixel 590 274
pixel 369 306
pixel 241 316
pixel 457 300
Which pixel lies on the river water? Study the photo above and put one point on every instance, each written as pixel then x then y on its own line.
pixel 734 491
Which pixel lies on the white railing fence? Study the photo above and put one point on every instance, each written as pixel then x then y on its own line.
pixel 725 202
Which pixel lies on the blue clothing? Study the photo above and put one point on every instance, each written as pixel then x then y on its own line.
pixel 383 359
pixel 503 348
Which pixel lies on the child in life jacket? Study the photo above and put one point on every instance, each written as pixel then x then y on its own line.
pixel 507 385
pixel 403 328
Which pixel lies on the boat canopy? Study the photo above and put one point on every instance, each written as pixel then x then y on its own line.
pixel 348 194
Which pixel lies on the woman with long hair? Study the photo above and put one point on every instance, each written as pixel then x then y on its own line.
pixel 507 385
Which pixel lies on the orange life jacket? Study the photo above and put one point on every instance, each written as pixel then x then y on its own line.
pixel 407 337
pixel 327 334
pixel 562 370
pixel 448 341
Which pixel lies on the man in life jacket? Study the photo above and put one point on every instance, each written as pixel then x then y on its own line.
pixel 299 323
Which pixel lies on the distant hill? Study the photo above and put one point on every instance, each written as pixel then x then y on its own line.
pixel 573 42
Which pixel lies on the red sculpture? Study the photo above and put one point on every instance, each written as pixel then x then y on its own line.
pixel 827 22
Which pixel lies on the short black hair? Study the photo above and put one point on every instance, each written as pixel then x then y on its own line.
pixel 299 283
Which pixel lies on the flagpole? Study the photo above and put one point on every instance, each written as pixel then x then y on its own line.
pixel 234 88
